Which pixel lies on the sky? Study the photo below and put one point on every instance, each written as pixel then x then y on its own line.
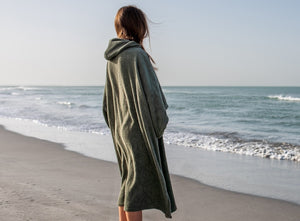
pixel 194 42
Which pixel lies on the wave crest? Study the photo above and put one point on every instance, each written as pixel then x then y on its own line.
pixel 232 144
pixel 66 103
pixel 284 98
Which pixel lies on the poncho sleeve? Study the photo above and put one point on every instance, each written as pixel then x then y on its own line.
pixel 104 107
pixel 157 104
pixel 104 104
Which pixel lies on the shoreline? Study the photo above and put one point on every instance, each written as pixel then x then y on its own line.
pixel 47 182
pixel 238 173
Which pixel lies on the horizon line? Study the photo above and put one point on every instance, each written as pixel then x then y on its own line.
pixel 102 85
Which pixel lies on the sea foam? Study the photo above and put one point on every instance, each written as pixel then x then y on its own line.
pixel 279 151
pixel 284 98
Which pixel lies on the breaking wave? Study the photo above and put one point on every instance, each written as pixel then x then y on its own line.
pixel 233 144
pixel 284 98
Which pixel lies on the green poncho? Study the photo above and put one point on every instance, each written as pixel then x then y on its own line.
pixel 134 108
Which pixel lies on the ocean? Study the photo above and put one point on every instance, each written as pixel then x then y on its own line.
pixel 257 124
pixel 257 121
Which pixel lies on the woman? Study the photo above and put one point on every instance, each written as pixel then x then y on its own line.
pixel 134 108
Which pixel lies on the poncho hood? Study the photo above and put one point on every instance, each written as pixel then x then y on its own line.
pixel 118 45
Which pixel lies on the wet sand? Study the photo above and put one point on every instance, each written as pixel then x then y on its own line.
pixel 39 180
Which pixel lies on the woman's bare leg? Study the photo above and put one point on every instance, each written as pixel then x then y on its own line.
pixel 122 215
pixel 134 216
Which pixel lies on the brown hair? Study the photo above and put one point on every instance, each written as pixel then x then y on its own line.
pixel 131 24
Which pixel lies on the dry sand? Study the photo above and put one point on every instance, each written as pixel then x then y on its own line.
pixel 39 180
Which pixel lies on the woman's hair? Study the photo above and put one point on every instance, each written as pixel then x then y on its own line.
pixel 131 23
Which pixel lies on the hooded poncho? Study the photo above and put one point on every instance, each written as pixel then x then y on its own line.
pixel 134 109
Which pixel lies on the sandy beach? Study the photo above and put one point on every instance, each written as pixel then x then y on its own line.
pixel 40 180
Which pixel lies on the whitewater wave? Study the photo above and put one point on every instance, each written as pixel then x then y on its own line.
pixel 17 89
pixel 7 88
pixel 37 122
pixel 23 88
pixel 284 98
pixel 66 103
pixel 279 151
pixel 101 131
pixel 74 105
pixel 223 142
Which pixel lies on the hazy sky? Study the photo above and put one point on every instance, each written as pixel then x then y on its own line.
pixel 224 42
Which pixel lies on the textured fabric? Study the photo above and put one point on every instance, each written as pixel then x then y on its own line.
pixel 134 108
